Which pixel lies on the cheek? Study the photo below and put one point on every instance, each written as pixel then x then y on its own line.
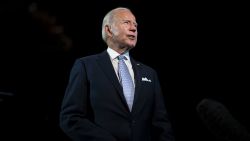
pixel 115 32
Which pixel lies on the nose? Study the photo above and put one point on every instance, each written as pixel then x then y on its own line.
pixel 133 28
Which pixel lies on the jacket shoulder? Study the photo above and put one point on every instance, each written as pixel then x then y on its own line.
pixel 87 58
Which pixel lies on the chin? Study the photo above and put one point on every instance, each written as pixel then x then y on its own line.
pixel 131 45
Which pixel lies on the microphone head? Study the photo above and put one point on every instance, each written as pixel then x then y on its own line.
pixel 220 122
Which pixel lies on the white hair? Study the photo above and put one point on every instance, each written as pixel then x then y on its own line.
pixel 108 20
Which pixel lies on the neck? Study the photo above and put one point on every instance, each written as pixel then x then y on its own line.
pixel 120 50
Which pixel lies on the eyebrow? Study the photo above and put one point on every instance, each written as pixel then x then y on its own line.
pixel 130 21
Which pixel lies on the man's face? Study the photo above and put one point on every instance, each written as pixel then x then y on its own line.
pixel 124 29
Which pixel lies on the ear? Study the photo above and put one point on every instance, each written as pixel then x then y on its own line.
pixel 108 30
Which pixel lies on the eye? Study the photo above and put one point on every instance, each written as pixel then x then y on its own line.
pixel 135 24
pixel 126 22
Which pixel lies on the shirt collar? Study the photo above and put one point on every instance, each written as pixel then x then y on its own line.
pixel 113 54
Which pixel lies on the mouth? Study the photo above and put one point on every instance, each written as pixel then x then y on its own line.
pixel 131 37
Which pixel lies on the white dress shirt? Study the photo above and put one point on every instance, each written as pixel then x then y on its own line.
pixel 114 59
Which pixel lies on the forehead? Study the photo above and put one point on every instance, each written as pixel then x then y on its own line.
pixel 125 15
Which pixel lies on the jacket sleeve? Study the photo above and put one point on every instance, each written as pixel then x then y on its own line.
pixel 75 115
pixel 162 130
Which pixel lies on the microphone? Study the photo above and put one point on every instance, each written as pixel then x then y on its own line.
pixel 220 122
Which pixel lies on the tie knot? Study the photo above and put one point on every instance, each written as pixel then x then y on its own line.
pixel 122 57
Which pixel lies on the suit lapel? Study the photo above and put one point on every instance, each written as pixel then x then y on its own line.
pixel 137 77
pixel 106 65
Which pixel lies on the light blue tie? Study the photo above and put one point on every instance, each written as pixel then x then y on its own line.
pixel 126 81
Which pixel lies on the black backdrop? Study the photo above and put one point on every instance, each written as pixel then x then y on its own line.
pixel 198 49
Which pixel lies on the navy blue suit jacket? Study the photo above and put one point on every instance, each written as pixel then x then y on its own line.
pixel 94 107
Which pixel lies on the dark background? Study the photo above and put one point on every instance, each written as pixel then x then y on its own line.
pixel 198 49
